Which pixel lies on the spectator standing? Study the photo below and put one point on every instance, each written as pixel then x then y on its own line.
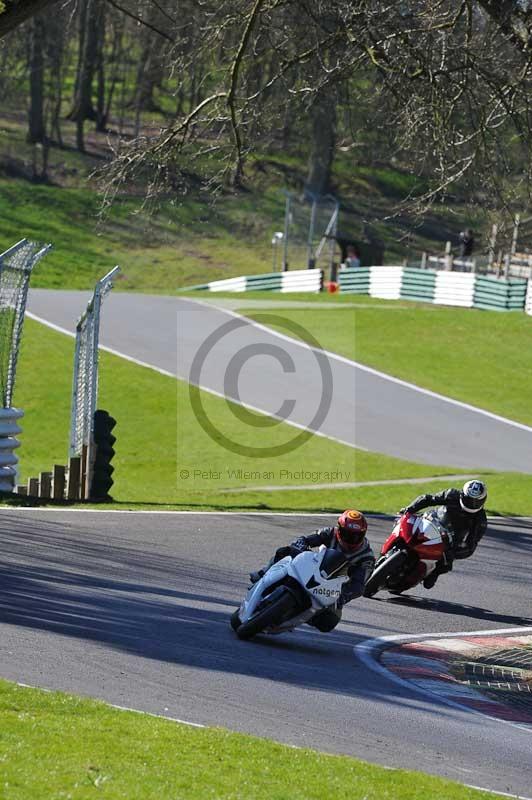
pixel 467 243
pixel 352 258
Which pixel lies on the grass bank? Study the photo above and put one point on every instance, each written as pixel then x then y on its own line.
pixel 479 357
pixel 194 237
pixel 164 459
pixel 56 745
pixel 162 453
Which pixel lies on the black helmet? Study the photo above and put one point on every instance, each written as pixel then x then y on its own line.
pixel 473 496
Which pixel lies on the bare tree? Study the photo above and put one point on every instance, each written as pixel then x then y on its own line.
pixel 37 43
pixel 455 76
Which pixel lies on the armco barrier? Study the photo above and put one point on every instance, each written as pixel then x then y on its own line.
pixel 467 290
pixel 301 280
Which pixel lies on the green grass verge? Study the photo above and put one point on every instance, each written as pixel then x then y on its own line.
pixel 54 745
pixel 479 357
pixel 162 453
pixel 158 437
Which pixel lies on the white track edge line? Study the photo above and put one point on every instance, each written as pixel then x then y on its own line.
pixel 110 705
pixel 165 372
pixel 199 725
pixel 494 791
pixel 67 509
pixel 370 370
pixel 368 650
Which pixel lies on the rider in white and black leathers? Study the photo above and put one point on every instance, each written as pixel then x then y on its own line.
pixel 462 512
pixel 349 536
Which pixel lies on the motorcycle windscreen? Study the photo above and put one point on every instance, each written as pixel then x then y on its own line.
pixel 333 564
pixel 429 542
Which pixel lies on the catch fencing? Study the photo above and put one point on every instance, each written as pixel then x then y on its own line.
pixel 16 266
pixel 85 380
pixel 310 229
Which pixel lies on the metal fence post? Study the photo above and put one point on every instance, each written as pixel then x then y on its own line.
pixel 287 213
pixel 311 262
pixel 85 385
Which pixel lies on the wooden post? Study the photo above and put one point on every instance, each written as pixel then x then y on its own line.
pixel 85 473
pixel 33 487
pixel 448 256
pixel 515 233
pixel 58 482
pixel 423 261
pixel 45 485
pixel 507 258
pixel 22 489
pixel 74 475
pixel 491 247
pixel 499 264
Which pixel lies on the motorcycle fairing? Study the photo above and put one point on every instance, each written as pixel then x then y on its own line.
pixel 425 535
pixel 305 569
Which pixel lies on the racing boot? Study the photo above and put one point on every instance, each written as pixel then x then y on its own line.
pixel 431 579
pixel 254 577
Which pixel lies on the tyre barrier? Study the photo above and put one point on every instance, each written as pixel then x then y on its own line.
pixel 9 430
pixel 300 280
pixel 463 289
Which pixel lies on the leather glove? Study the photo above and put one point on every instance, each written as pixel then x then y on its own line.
pixel 299 545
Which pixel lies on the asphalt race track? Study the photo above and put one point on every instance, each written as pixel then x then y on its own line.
pixel 134 609
pixel 366 409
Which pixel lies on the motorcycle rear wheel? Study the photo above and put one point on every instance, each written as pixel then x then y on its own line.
pixel 271 614
pixel 379 576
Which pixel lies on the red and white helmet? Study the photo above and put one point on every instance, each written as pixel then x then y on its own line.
pixel 351 530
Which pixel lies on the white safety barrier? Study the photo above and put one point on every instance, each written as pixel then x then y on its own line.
pixel 9 430
pixel 455 289
pixel 386 282
pixel 528 301
pixel 298 280
pixel 302 280
pixel 228 285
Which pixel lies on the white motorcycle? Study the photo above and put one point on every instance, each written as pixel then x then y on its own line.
pixel 291 592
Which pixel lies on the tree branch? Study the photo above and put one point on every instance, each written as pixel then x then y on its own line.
pixel 140 20
pixel 18 11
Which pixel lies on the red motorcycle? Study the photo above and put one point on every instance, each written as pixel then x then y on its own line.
pixel 410 553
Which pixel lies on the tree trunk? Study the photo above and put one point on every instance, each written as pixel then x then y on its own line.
pixel 36 127
pixel 91 20
pixel 101 114
pixel 323 141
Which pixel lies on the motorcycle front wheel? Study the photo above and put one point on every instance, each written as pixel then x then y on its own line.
pixel 272 614
pixel 380 574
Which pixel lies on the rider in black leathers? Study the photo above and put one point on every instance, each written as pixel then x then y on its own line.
pixel 462 513
pixel 349 536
